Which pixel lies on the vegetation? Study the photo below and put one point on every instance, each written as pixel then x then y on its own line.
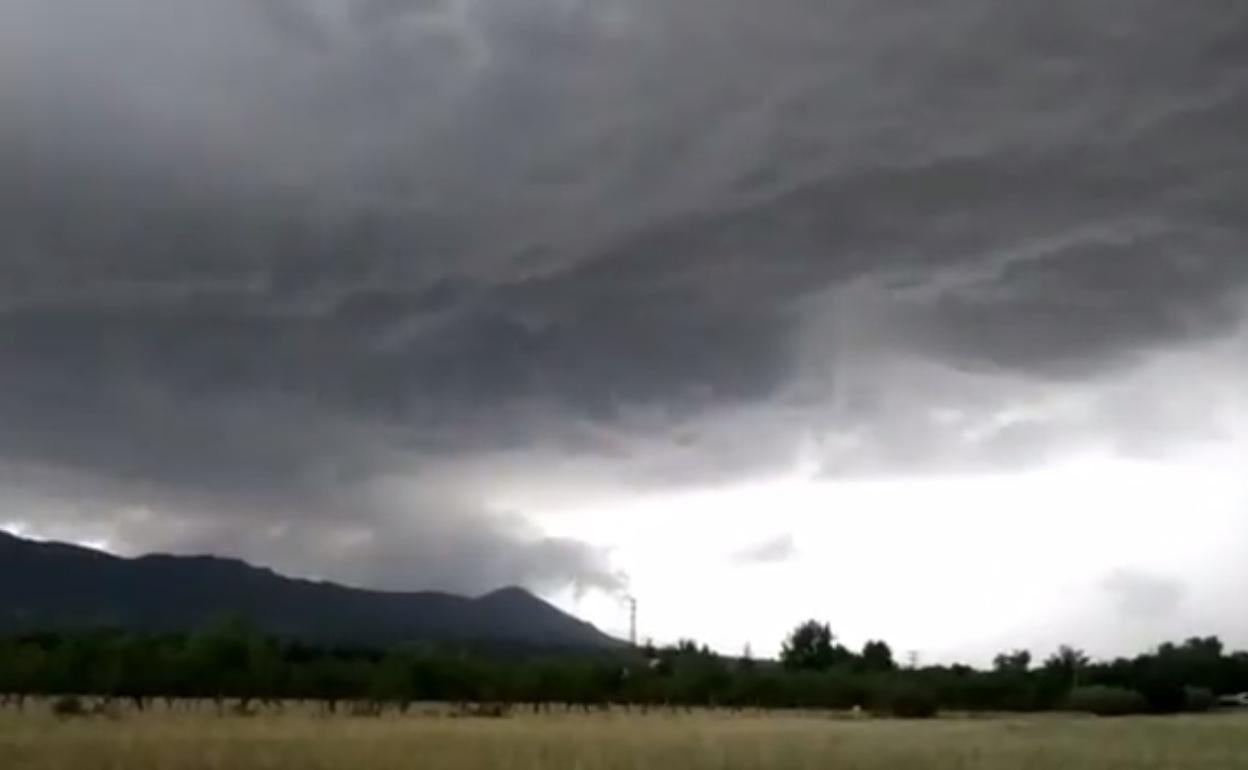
pixel 909 701
pixel 1106 701
pixel 68 706
pixel 236 668
pixel 304 740
pixel 1198 699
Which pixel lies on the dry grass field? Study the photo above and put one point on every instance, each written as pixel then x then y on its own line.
pixel 172 741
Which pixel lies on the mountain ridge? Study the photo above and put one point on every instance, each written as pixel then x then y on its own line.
pixel 54 586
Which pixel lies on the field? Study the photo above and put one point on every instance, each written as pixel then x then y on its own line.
pixel 173 741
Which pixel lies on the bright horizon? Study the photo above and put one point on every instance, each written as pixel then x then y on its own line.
pixel 979 595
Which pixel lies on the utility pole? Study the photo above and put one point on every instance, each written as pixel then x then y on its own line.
pixel 632 619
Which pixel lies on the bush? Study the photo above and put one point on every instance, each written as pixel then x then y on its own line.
pixel 68 706
pixel 912 703
pixel 1199 699
pixel 1164 696
pixel 1107 701
pixel 484 710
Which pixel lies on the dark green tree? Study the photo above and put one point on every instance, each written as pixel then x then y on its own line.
pixel 811 647
pixel 1016 662
pixel 1067 663
pixel 877 656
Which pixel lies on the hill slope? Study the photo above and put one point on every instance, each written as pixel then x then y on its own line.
pixel 54 586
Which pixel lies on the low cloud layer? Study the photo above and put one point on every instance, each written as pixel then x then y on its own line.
pixel 1139 595
pixel 774 551
pixel 331 285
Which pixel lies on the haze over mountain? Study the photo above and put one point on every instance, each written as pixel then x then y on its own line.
pixel 722 303
pixel 55 586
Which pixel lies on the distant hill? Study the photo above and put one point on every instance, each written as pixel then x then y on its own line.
pixel 58 587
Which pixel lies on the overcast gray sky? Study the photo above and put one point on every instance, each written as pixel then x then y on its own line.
pixel 571 293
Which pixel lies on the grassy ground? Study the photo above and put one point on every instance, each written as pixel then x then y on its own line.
pixel 602 742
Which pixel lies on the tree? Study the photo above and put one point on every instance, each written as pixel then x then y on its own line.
pixel 1067 662
pixel 231 661
pixel 877 656
pixel 811 647
pixel 691 647
pixel 1016 662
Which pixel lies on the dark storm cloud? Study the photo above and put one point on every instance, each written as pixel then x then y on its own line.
pixel 258 259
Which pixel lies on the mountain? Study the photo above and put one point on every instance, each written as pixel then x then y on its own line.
pixel 56 587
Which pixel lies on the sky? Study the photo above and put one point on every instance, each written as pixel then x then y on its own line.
pixel 928 319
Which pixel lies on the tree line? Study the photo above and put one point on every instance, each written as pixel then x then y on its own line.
pixel 238 668
pixel 1173 677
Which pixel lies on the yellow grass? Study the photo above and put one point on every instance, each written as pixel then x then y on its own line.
pixel 600 742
